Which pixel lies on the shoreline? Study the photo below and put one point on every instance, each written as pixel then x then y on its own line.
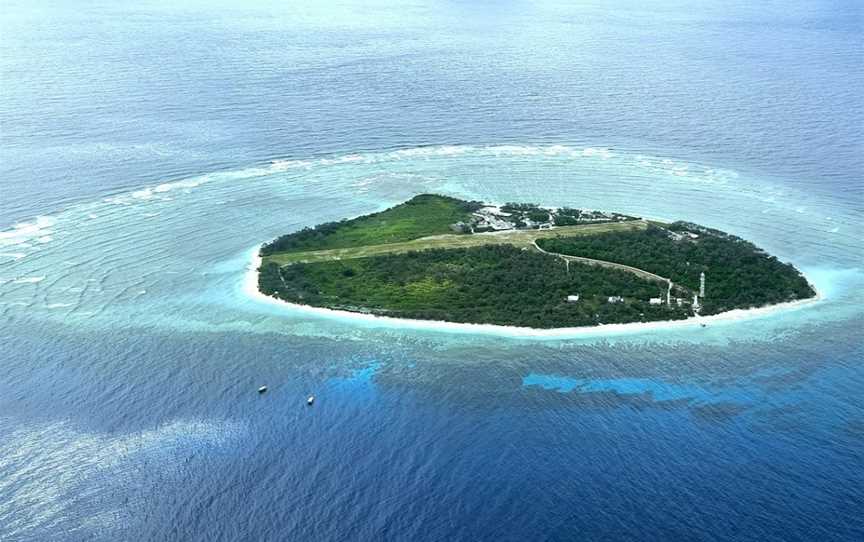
pixel 250 288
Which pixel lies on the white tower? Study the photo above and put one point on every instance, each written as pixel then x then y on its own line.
pixel 702 284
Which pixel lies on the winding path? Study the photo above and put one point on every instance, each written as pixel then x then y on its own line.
pixel 612 265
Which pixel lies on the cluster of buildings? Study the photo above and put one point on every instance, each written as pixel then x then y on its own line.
pixel 486 219
pixel 669 300
pixel 680 236
pixel 493 218
pixel 600 216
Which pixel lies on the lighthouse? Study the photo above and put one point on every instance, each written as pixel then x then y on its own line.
pixel 702 284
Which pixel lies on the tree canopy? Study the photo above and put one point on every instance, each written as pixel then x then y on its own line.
pixel 738 274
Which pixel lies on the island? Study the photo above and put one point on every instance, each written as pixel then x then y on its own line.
pixel 441 258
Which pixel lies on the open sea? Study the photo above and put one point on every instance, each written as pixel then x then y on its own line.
pixel 146 148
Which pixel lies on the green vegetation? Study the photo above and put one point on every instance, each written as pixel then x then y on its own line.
pixel 526 213
pixel 567 217
pixel 738 274
pixel 424 259
pixel 496 284
pixel 423 215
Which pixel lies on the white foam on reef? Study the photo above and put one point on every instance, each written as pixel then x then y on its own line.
pixel 605 154
pixel 439 150
pixel 157 192
pixel 28 280
pixel 250 288
pixel 667 166
pixel 39 229
pixel 443 151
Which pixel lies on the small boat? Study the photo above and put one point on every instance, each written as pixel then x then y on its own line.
pixel 262 389
pixel 310 400
pixel 704 325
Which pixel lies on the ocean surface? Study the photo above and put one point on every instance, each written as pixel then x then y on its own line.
pixel 146 149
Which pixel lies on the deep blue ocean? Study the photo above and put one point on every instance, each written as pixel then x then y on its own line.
pixel 146 149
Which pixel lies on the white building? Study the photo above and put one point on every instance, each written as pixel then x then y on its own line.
pixel 573 298
pixel 493 218
pixel 615 299
pixel 493 210
pixel 656 301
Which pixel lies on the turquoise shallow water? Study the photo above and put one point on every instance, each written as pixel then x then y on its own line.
pixel 174 254
pixel 138 175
